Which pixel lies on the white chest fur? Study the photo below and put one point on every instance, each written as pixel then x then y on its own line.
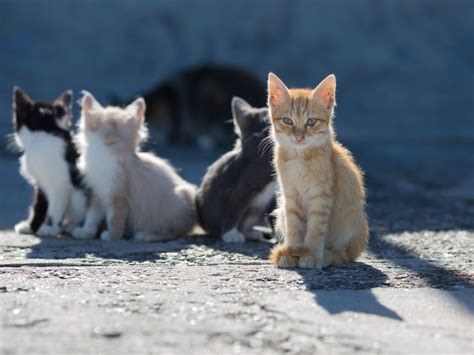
pixel 100 168
pixel 43 162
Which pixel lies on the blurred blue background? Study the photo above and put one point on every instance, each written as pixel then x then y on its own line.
pixel 405 68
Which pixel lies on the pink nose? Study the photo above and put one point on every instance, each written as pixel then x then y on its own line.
pixel 298 138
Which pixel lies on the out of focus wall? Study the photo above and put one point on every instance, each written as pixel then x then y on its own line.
pixel 405 69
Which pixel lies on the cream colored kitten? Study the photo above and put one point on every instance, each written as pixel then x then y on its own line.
pixel 321 213
pixel 140 193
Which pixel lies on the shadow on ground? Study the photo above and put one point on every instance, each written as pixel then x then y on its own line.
pixel 408 247
pixel 355 276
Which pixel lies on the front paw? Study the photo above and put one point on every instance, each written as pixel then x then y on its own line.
pixel 23 227
pixel 82 233
pixel 233 236
pixel 48 231
pixel 106 236
pixel 144 237
pixel 288 261
pixel 310 262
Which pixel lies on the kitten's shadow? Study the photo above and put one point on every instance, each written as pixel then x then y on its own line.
pixel 353 282
pixel 348 288
pixel 96 251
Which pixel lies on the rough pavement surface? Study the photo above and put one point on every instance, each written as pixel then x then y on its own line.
pixel 412 291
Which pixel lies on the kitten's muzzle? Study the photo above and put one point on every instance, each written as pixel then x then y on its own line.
pixel 299 138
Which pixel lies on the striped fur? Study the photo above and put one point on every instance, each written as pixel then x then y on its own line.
pixel 322 194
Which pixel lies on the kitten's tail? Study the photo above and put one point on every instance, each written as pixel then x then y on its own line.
pixel 279 250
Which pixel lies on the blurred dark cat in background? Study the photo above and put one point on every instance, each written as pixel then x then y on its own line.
pixel 238 192
pixel 193 107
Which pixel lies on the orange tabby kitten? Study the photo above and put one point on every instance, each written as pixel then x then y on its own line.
pixel 321 214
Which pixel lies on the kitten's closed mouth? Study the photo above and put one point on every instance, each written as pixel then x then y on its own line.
pixel 299 139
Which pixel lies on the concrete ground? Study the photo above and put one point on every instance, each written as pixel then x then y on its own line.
pixel 412 292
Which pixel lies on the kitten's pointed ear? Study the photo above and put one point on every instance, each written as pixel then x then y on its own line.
pixel 21 104
pixel 240 110
pixel 239 107
pixel 65 100
pixel 88 103
pixel 278 93
pixel 325 92
pixel 20 98
pixel 138 107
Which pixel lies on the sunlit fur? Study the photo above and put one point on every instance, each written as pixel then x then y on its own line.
pixel 42 135
pixel 141 194
pixel 321 208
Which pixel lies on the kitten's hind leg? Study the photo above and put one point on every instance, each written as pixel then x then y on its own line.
pixel 335 257
pixel 348 252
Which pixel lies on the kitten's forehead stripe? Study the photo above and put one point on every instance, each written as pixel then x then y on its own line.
pixel 300 103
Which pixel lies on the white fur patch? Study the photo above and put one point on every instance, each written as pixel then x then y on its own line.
pixel 99 166
pixel 264 197
pixel 23 227
pixel 43 162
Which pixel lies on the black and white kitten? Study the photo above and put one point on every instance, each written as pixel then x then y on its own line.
pixel 48 163
pixel 238 188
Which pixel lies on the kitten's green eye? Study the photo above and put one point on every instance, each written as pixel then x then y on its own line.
pixel 311 122
pixel 288 121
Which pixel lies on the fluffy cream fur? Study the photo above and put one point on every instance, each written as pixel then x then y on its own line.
pixel 140 193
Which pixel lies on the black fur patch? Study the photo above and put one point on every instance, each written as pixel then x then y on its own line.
pixel 40 209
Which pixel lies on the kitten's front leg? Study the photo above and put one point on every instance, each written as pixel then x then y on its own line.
pixel 38 214
pixel 293 224
pixel 232 216
pixel 116 214
pixel 58 203
pixel 252 218
pixel 95 215
pixel 316 230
